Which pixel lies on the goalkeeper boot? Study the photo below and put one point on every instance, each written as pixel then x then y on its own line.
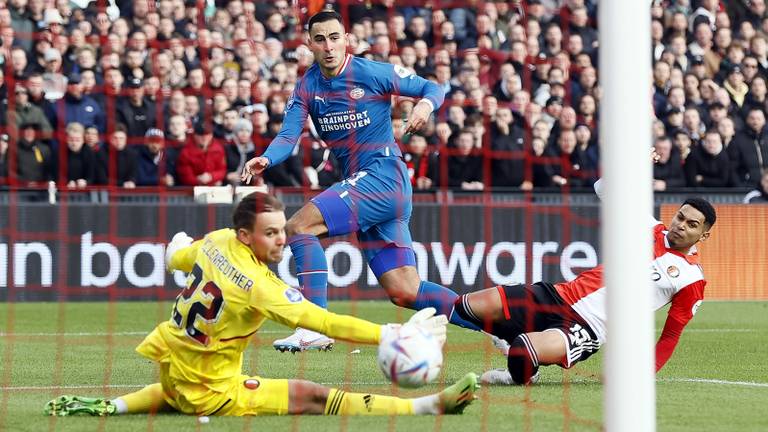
pixel 304 340
pixel 458 396
pixel 503 377
pixel 72 405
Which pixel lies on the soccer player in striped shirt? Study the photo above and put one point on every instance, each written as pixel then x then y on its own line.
pixel 349 102
pixel 564 323
pixel 230 293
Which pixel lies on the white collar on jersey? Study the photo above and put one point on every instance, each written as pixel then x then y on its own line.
pixel 347 59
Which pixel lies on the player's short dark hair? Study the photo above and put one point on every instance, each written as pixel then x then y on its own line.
pixel 251 205
pixel 702 205
pixel 326 15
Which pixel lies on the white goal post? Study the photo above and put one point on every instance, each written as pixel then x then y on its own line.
pixel 625 140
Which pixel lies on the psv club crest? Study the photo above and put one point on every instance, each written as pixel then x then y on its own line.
pixel 356 93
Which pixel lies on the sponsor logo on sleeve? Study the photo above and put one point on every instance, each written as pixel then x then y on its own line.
pixel 293 295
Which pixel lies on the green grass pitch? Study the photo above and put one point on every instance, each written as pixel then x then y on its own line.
pixel 717 379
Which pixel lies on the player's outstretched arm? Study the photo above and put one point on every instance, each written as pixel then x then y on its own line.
pixel 684 305
pixel 282 145
pixel 180 252
pixel 286 306
pixel 419 116
pixel 253 168
pixel 403 82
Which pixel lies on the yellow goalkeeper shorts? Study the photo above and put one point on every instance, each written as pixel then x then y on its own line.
pixel 245 396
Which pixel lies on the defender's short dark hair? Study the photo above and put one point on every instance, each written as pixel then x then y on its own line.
pixel 326 15
pixel 702 205
pixel 251 205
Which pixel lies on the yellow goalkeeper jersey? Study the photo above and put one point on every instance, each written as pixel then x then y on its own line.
pixel 228 297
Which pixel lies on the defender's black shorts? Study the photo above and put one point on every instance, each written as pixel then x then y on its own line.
pixel 538 308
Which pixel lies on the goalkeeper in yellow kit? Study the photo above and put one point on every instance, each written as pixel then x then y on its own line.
pixel 230 293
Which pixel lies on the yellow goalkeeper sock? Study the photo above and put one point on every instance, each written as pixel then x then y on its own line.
pixel 343 403
pixel 148 399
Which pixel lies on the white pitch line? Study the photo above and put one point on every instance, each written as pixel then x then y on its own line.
pixel 715 330
pixel 142 333
pixel 715 381
pixel 71 387
pixel 377 383
pixel 127 386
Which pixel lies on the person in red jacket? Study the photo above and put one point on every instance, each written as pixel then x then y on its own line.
pixel 565 323
pixel 202 161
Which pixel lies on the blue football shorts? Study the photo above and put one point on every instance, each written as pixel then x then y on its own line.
pixel 375 203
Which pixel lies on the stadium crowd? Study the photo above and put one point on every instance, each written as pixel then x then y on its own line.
pixel 184 92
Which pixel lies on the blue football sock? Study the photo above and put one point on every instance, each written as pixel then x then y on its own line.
pixel 440 298
pixel 311 268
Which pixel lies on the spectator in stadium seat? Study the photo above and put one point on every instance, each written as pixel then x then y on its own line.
pixel 176 134
pixel 29 113
pixel 54 82
pixel 78 107
pixel 735 86
pixel 759 195
pixel 465 167
pixel 587 147
pixel 422 163
pixel 727 131
pixel 175 105
pixel 566 122
pixel 20 67
pixel 757 94
pixel 692 124
pixel 682 142
pixel 36 92
pixel 155 163
pixel 81 162
pixel 225 131
pixel 508 162
pixel 240 150
pixel 135 111
pixel 92 139
pixel 579 24
pixel 260 119
pixel 758 48
pixel 568 170
pixel 708 165
pixel 192 109
pixel 587 111
pixel 33 158
pixel 542 170
pixel 202 161
pixel 4 159
pixel 122 171
pixel 716 113
pixel 291 172
pixel 668 170
pixel 749 150
pixel 674 120
pixel 244 93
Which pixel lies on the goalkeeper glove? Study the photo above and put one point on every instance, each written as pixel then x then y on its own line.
pixel 179 241
pixel 427 321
